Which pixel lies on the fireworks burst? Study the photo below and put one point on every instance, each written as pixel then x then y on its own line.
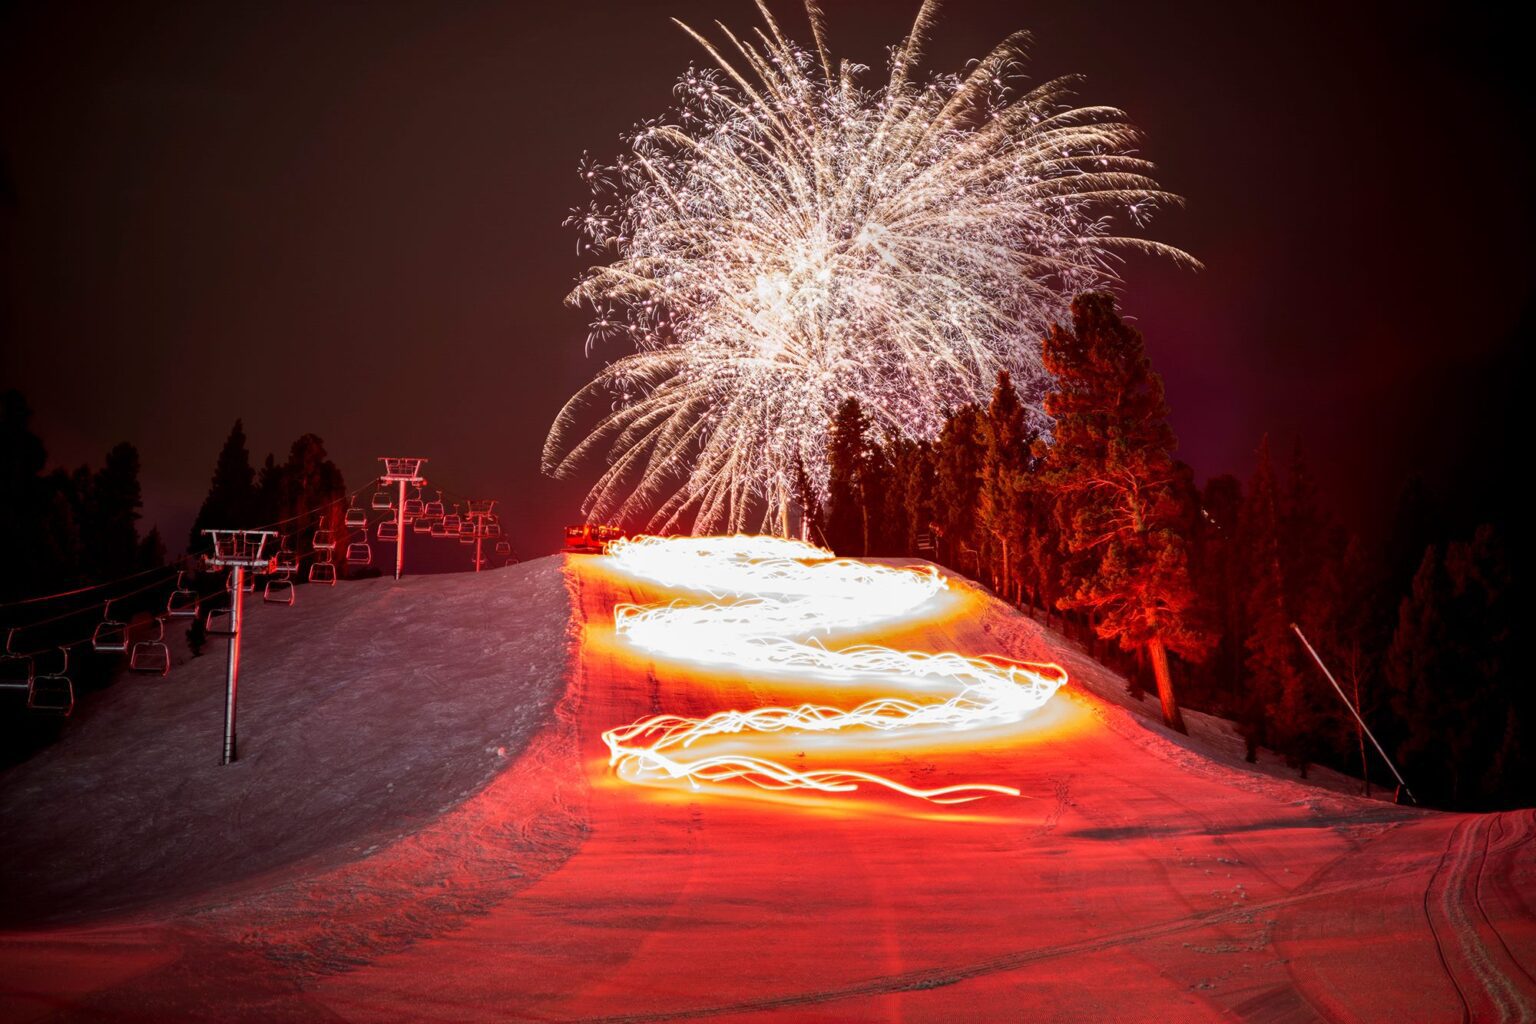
pixel 786 238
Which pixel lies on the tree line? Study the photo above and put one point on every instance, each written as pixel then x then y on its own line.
pixel 1086 519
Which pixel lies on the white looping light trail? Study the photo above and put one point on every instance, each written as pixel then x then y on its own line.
pixel 783 596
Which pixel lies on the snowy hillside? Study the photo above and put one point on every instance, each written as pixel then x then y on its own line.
pixel 366 710
pixel 424 825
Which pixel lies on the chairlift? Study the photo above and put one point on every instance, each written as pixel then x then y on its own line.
pixel 424 525
pixel 414 508
pixel 110 635
pixel 359 553
pixel 434 509
pixel 381 501
pixel 389 530
pixel 491 528
pixel 287 561
pixel 324 540
pixel 356 518
pixel 466 538
pixel 151 656
pixel 248 581
pixel 439 528
pixel 53 692
pixel 278 591
pixel 453 523
pixel 182 604
pixel 324 573
pixel 16 670
pixel 503 548
pixel 220 622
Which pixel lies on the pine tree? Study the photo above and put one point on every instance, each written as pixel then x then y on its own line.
pixel 1269 645
pixel 231 501
pixel 1112 457
pixel 846 444
pixel 1004 479
pixel 957 478
pixel 112 506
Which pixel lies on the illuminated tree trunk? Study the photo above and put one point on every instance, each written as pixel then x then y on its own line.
pixel 784 515
pixel 1172 717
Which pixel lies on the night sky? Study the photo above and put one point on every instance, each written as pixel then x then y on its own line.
pixel 346 219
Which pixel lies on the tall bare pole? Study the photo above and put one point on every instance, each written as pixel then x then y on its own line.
pixel 1340 691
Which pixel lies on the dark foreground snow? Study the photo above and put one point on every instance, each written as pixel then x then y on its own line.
pixel 366 710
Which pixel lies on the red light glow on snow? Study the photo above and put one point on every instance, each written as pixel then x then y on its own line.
pixel 764 606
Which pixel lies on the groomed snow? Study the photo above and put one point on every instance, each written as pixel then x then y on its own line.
pixel 366 710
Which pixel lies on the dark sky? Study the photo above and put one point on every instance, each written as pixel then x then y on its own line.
pixel 346 219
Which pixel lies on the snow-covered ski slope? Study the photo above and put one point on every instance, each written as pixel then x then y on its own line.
pixel 424 826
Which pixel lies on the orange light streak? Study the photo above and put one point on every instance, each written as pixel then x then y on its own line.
pixel 785 596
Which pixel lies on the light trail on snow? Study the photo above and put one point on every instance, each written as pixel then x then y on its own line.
pixel 769 601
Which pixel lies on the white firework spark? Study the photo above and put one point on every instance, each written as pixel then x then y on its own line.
pixel 786 238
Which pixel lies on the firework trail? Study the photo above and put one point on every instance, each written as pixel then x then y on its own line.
pixel 786 238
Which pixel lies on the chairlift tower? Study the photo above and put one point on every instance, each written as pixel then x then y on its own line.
pixel 401 471
pixel 239 551
pixel 478 514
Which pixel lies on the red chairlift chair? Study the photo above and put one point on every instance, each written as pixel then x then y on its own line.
pixel 359 553
pixel 183 602
pixel 356 518
pixel 151 656
pixel 16 670
pixel 110 635
pixel 54 692
pixel 389 530
pixel 382 502
pixel 278 590
pixel 323 573
pixel 324 540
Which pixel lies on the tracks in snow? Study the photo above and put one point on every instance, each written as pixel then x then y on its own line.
pixel 1491 984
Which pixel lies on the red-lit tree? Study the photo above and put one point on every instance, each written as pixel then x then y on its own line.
pixel 1111 461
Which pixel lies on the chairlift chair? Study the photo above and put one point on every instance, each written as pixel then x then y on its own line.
pixel 183 602
pixel 220 622
pixel 389 530
pixel 278 591
pixel 323 573
pixel 440 529
pixel 54 692
pixel 491 528
pixel 424 525
pixel 16 670
pixel 434 509
pixel 110 635
pixel 503 548
pixel 356 518
pixel 287 561
pixel 414 508
pixel 381 501
pixel 151 656
pixel 324 540
pixel 453 523
pixel 466 538
pixel 359 553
